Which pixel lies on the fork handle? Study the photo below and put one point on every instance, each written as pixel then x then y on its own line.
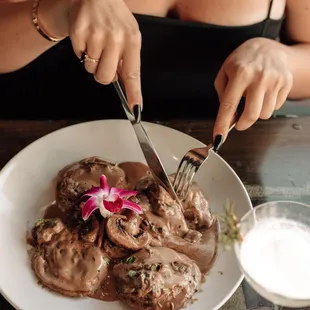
pixel 218 141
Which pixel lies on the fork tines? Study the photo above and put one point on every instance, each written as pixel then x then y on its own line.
pixel 185 174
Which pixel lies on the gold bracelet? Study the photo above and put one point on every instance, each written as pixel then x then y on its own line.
pixel 35 21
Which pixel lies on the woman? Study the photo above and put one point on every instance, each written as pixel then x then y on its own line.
pixel 198 57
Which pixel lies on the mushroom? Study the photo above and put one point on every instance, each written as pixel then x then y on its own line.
pixel 126 232
pixel 90 229
pixel 114 251
pixel 101 234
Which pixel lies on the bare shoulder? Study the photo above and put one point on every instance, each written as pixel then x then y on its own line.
pixel 298 20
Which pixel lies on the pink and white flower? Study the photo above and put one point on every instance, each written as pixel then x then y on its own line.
pixel 108 200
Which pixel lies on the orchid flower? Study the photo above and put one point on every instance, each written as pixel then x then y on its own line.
pixel 108 200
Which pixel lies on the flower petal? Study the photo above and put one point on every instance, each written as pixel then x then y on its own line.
pixel 112 197
pixel 90 206
pixel 123 192
pixel 95 191
pixel 113 206
pixel 104 212
pixel 104 185
pixel 132 206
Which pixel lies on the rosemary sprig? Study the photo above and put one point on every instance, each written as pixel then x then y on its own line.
pixel 229 226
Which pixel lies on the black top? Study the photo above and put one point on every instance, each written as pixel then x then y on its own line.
pixel 180 61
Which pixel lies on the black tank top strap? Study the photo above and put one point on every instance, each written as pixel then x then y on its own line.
pixel 268 19
pixel 270 8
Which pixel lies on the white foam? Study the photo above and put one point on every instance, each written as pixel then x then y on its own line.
pixel 276 255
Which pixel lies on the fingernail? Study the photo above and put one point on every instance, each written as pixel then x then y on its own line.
pixel 137 112
pixel 218 141
pixel 83 56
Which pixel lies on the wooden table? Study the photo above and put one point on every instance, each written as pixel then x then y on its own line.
pixel 272 159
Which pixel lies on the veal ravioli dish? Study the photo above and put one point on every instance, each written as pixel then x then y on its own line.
pixel 115 234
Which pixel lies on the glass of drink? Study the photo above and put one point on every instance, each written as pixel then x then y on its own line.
pixel 274 252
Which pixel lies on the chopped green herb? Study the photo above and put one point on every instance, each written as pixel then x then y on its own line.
pixel 132 273
pixel 130 260
pixel 153 227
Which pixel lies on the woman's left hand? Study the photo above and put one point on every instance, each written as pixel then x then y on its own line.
pixel 257 70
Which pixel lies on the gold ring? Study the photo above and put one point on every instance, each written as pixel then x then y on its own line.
pixel 85 57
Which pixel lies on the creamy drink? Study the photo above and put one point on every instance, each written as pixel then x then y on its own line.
pixel 275 258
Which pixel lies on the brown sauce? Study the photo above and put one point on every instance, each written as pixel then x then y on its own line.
pixel 53 211
pixel 107 289
pixel 134 171
pixel 209 242
pixel 204 252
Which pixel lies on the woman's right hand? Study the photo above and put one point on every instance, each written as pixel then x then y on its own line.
pixel 107 31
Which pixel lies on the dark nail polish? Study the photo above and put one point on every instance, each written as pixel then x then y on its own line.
pixel 137 112
pixel 83 56
pixel 218 141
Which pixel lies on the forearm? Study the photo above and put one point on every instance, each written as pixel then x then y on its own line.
pixel 299 62
pixel 20 41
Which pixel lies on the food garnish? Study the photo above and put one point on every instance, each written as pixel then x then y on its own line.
pixel 130 260
pixel 230 232
pixel 108 200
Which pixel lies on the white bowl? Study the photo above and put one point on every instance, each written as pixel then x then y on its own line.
pixel 27 184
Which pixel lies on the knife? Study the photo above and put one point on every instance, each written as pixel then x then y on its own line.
pixel 156 167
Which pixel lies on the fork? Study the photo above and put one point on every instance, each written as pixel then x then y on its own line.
pixel 196 157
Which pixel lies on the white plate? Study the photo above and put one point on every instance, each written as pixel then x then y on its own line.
pixel 27 184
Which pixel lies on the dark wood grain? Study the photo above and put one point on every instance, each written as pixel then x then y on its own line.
pixel 272 158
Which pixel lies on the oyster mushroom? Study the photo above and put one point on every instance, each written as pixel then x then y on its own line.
pixel 126 232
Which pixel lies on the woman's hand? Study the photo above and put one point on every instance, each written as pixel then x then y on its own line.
pixel 258 70
pixel 108 32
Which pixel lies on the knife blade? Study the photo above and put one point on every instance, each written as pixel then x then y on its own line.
pixel 151 156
